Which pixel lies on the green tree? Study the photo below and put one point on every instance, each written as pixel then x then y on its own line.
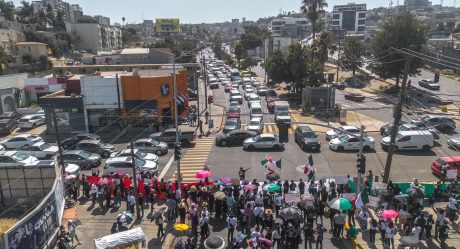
pixel 50 16
pixel 401 31
pixel 5 59
pixel 87 19
pixel 323 46
pixel 44 62
pixel 276 66
pixel 8 10
pixel 313 9
pixel 353 51
pixel 247 63
pixel 440 27
pixel 314 73
pixel 240 53
pixel 41 20
pixel 26 12
pixel 123 19
pixel 59 24
pixel 26 58
pixel 296 60
pixel 253 37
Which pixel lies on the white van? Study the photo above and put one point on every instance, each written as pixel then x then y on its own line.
pixel 256 111
pixel 235 95
pixel 410 140
pixel 282 106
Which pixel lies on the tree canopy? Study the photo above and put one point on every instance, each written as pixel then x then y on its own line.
pixel 352 56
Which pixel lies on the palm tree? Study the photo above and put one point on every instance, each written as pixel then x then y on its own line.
pixel 123 19
pixel 8 10
pixel 313 9
pixel 323 46
pixel 4 59
pixel 26 12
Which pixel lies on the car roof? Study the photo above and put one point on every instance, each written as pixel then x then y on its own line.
pixel 349 127
pixel 7 152
pixel 231 119
pixel 30 116
pixel 119 159
pixel 171 130
pixel 72 151
pixel 39 143
pixel 304 128
pixel 256 119
pixel 23 135
pixel 144 140
pixel 418 132
pixel 89 141
pixel 267 135
pixel 128 151
pixel 451 159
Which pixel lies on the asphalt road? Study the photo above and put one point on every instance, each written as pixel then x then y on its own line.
pixel 449 88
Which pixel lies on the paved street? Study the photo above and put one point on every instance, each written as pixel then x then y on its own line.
pixel 449 88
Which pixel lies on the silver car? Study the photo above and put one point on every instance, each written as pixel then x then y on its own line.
pixel 263 141
pixel 150 145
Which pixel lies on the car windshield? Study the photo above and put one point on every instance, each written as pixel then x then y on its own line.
pixel 140 162
pixel 399 136
pixel 44 146
pixel 231 122
pixel 343 139
pixel 141 154
pixel 256 111
pixel 155 142
pixel 84 154
pixel 18 156
pixel 283 113
pixel 257 138
pixel 309 135
pixel 254 122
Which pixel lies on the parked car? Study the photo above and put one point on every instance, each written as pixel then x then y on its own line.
pixel 124 166
pixel 8 125
pixel 10 115
pixel 192 94
pixel 84 159
pixel 429 84
pixel 454 141
pixel 262 90
pixel 137 154
pixel 339 85
pixel 263 141
pixel 441 123
pixel 14 158
pixel 72 169
pixel 354 97
pixel 231 124
pixel 331 134
pixel 234 112
pixel 235 137
pixel 168 136
pixel 306 138
pixel 410 140
pixel 31 121
pixel 97 147
pixel 72 141
pixel 407 127
pixel 350 142
pixel 446 163
pixel 20 140
pixel 150 145
pixel 256 125
pixel 40 150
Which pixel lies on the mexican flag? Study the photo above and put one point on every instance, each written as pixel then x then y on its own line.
pixel 362 200
pixel 351 185
pixel 267 163
pixel 278 164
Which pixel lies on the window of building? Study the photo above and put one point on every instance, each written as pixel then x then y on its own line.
pixel 362 15
pixel 361 22
pixel 335 23
pixel 361 28
pixel 336 16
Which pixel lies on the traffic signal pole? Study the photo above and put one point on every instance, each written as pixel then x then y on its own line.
pixel 360 156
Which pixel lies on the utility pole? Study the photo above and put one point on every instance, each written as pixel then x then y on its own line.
pixel 58 140
pixel 133 162
pixel 338 64
pixel 397 119
pixel 205 85
pixel 176 120
pixel 360 157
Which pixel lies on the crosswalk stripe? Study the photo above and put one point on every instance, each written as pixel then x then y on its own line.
pixel 276 130
pixel 268 128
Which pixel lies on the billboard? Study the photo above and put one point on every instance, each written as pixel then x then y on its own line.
pixel 167 25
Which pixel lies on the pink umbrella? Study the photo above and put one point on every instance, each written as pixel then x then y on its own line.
pixel 265 242
pixel 70 177
pixel 226 180
pixel 249 187
pixel 103 181
pixel 203 174
pixel 389 214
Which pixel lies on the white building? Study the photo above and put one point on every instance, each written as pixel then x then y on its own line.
pixel 56 6
pixel 95 37
pixel 350 17
pixel 289 26
pixel 76 12
pixel 103 20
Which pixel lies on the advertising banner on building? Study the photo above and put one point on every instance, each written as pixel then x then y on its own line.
pixel 35 231
pixel 167 25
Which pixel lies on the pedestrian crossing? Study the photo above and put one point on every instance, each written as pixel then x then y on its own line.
pixel 272 128
pixel 194 159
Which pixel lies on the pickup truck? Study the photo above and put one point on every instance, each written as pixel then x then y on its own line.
pixel 169 136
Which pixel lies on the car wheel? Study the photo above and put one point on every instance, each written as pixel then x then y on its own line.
pixel 106 154
pixel 426 148
pixel 276 147
pixel 367 148
pixel 251 147
pixel 223 143
pixel 158 152
pixel 33 126
pixel 340 148
pixel 303 147
pixel 395 148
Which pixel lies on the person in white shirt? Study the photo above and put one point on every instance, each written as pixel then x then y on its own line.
pixel 131 202
pixel 259 199
pixel 231 224
pixel 363 216
pixel 94 192
pixel 452 207
pixel 389 235
pixel 414 183
pixel 278 203
pixel 440 215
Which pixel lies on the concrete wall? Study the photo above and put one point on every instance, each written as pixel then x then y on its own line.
pixel 90 36
pixel 13 80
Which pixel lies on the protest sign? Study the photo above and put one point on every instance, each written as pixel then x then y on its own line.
pixel 292 198
pixel 341 180
pixel 374 201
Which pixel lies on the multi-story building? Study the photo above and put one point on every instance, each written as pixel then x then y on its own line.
pixel 95 37
pixel 34 49
pixel 8 37
pixel 417 4
pixel 103 20
pixel 56 5
pixel 76 12
pixel 350 17
pixel 289 26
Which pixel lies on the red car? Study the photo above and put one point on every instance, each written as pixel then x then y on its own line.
pixel 228 88
pixel 233 112
pixel 354 96
pixel 452 162
pixel 271 105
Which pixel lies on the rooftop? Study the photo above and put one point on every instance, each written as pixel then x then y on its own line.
pixel 135 51
pixel 28 43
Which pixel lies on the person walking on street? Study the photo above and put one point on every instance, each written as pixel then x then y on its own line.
pixel 200 126
pixel 242 173
pixel 372 230
pixel 131 203
pixel 206 117
pixel 308 233
pixel 160 221
pixel 72 232
pixel 319 236
pixel 277 237
pixel 440 215
pixel 231 224
pixel 429 226
pixel 452 208
pixel 443 232
pixel 86 187
pixel 93 192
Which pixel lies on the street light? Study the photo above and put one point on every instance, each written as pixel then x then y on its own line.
pixel 176 118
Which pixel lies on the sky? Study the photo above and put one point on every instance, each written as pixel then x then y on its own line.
pixel 199 11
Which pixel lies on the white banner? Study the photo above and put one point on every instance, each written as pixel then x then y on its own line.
pixel 451 174
pixel 341 180
pixel 373 201
pixel 291 198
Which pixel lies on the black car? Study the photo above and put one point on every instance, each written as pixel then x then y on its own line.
pixel 84 159
pixel 192 94
pixel 339 85
pixel 10 115
pixel 8 125
pixel 235 137
pixel 97 147
pixel 231 124
pixel 72 141
pixel 306 138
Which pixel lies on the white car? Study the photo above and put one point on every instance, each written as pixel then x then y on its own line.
pixel 283 117
pixel 72 169
pixel 253 97
pixel 41 150
pixel 31 121
pixel 331 134
pixel 123 166
pixel 256 125
pixel 20 140
pixel 350 142
pixel 248 92
pixel 14 158
pixel 255 83
pixel 137 154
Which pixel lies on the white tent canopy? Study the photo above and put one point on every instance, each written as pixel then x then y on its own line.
pixel 119 239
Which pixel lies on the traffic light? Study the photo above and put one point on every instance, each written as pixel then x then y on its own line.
pixel 177 152
pixel 436 77
pixel 361 164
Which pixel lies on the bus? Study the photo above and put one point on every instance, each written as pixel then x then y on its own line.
pixel 233 73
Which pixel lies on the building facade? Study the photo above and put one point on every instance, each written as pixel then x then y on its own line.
pixel 350 17
pixel 417 4
pixel 76 12
pixel 95 37
pixel 102 20
pixel 8 37
pixel 289 27
pixel 35 49
pixel 145 56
